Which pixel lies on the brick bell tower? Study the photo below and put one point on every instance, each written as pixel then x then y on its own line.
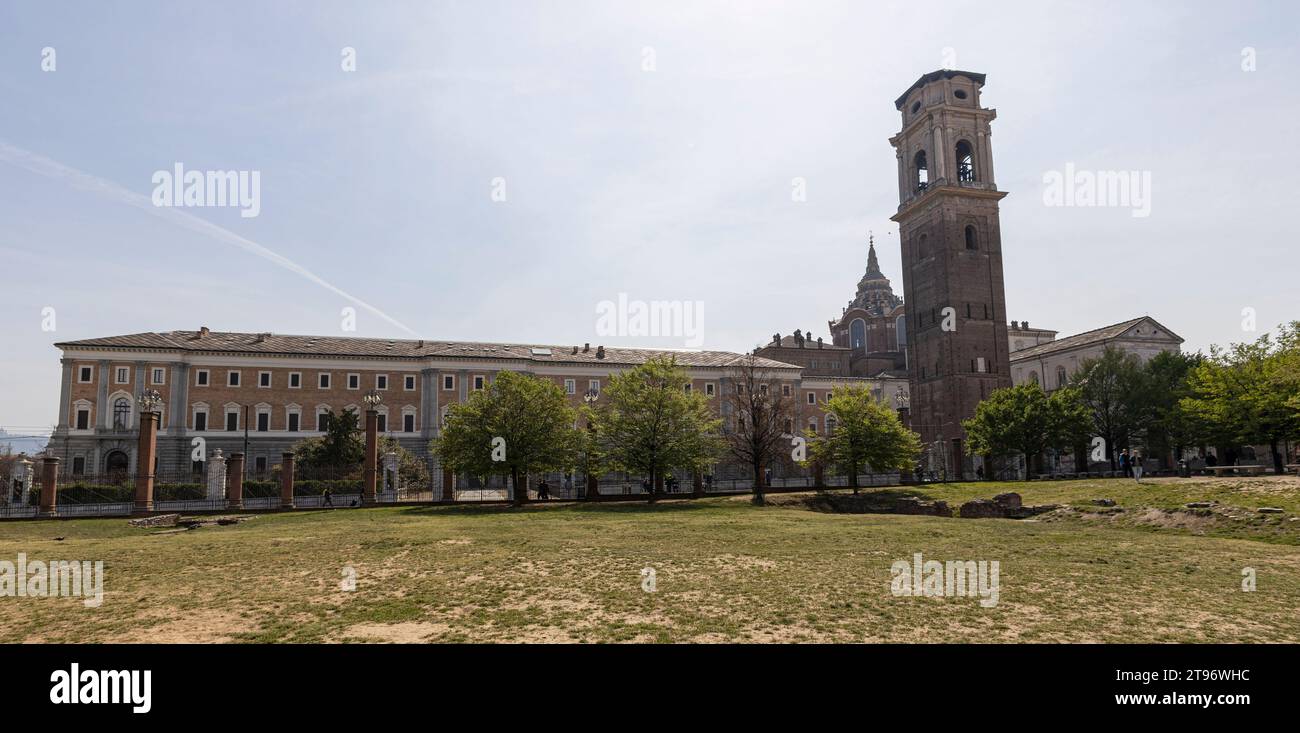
pixel 957 350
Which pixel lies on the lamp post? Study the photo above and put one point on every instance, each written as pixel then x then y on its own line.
pixel 593 484
pixel 372 400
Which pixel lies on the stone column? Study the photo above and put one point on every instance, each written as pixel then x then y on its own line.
pixel 390 464
pixel 65 396
pixel 145 452
pixel 49 486
pixel 103 413
pixel 235 481
pixel 372 457
pixel 216 476
pixel 286 480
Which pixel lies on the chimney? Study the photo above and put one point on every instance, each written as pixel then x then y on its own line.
pixel 586 348
pixel 575 349
pixel 1015 325
pixel 819 342
pixel 420 345
pixel 1024 325
pixel 203 332
pixel 600 352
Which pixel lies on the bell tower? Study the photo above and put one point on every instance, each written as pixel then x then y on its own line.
pixel 957 351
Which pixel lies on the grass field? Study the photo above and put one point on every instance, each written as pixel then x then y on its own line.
pixel 724 571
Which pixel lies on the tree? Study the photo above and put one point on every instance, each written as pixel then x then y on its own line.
pixel 1171 427
pixel 1013 420
pixel 763 418
pixel 1072 424
pixel 1246 392
pixel 647 422
pixel 867 433
pixel 343 449
pixel 518 425
pixel 1114 389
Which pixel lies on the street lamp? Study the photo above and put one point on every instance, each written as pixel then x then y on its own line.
pixel 593 486
pixel 901 398
pixel 149 400
pixel 372 399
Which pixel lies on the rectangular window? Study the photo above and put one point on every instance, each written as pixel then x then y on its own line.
pixel 594 386
pixel 295 380
pixel 354 381
pixel 479 381
pixel 83 419
pixel 260 464
pixel 812 426
pixel 981 367
pixel 408 423
pixel 263 379
pixel 688 388
pixel 122 375
pixel 200 421
pixel 78 465
pixel 293 422
pixel 323 380
pixel 263 422
pixel 201 378
pixel 709 389
pixel 232 379
pixel 570 386
pixel 408 382
pixel 232 421
pixel 158 376
pixel 381 381
pixel 449 381
pixel 85 374
pixel 785 390
pixel 381 423
pixel 321 417
pixel 812 398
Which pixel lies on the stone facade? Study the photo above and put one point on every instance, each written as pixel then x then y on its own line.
pixel 957 342
pixel 1052 363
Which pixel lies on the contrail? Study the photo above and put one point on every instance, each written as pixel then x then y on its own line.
pixel 41 165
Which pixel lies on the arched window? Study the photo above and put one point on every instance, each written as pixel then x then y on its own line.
pixel 922 247
pixel 922 171
pixel 1060 376
pixel 121 413
pixel 965 162
pixel 858 335
pixel 830 425
pixel 971 240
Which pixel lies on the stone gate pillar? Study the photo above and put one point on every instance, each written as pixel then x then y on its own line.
pixel 216 476
pixel 144 462
pixel 235 481
pixel 391 480
pixel 286 480
pixel 49 486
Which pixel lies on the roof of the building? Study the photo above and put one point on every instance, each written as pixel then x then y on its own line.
pixel 933 75
pixel 1097 335
pixel 335 346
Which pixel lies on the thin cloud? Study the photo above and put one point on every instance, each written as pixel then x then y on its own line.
pixel 81 180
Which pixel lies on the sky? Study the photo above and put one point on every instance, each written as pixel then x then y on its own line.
pixel 497 171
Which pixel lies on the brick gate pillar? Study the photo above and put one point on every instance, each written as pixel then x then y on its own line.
pixel 49 486
pixel 286 480
pixel 448 486
pixel 372 458
pixel 146 451
pixel 235 481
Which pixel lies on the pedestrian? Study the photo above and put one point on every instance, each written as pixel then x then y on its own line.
pixel 327 498
pixel 1137 466
pixel 543 490
pixel 568 486
pixel 1125 465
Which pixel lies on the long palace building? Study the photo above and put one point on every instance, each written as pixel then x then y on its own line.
pixel 272 389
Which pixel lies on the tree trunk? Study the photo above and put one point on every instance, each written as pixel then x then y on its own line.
pixel 853 477
pixel 758 483
pixel 521 492
pixel 654 476
pixel 1277 457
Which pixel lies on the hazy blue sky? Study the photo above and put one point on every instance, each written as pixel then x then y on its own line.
pixel 671 184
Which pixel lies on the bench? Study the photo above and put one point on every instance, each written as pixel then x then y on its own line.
pixel 1293 468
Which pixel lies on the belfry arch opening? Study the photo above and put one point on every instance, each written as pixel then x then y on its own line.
pixel 922 171
pixel 965 162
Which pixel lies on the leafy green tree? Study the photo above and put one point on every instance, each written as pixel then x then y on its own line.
pixel 1246 392
pixel 867 433
pixel 1114 388
pixel 520 424
pixel 1012 420
pixel 1072 424
pixel 1171 428
pixel 343 448
pixel 647 423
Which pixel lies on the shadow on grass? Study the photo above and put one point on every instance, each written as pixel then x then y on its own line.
pixel 576 507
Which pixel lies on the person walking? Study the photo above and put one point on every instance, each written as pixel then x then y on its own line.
pixel 1137 466
pixel 327 498
pixel 543 490
pixel 1125 465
